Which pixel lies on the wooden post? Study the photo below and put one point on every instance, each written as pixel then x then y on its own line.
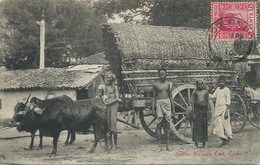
pixel 42 42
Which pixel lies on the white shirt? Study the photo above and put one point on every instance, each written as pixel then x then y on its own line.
pixel 222 97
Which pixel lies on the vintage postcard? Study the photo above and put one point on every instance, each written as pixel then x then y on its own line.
pixel 129 82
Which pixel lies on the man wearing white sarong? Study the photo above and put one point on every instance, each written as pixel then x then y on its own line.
pixel 222 126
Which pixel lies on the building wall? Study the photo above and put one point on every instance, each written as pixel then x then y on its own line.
pixel 8 99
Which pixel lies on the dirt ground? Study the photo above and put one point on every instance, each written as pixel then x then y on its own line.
pixel 135 146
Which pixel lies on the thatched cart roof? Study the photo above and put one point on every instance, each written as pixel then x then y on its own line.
pixel 179 44
pixel 145 47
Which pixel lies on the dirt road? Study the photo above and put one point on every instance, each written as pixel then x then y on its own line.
pixel 134 147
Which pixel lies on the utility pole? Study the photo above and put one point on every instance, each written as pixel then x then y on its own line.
pixel 42 41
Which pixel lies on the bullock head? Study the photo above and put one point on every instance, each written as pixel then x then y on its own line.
pixel 26 121
pixel 18 109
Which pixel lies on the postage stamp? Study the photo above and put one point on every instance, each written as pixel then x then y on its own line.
pixel 233 20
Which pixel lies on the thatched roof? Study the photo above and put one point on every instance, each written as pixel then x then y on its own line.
pixel 48 78
pixel 145 47
pixel 164 42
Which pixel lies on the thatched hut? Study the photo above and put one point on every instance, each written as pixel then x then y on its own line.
pixel 133 48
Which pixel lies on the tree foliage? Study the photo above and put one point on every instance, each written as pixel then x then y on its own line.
pixel 194 13
pixel 73 30
pixel 187 13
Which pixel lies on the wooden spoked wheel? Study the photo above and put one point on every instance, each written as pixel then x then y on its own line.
pixel 148 122
pixel 183 128
pixel 238 112
pixel 180 125
pixel 181 97
pixel 253 114
pixel 182 100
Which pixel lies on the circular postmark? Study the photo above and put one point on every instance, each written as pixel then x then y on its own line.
pixel 230 37
pixel 232 28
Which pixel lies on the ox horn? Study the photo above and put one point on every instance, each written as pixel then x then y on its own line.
pixel 27 99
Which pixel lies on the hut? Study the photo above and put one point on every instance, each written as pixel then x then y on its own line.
pixel 136 52
pixel 78 82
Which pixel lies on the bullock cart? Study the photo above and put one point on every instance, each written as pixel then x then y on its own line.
pixel 135 52
pixel 251 98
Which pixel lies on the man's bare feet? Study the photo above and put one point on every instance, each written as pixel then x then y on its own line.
pixel 203 145
pixel 196 145
pixel 222 144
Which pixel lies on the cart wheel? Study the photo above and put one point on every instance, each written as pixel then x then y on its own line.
pixel 238 113
pixel 181 97
pixel 149 123
pixel 254 115
pixel 183 126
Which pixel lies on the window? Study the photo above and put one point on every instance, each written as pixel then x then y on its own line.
pixel 82 94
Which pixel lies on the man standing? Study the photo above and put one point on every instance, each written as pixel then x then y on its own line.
pixel 162 101
pixel 111 91
pixel 222 125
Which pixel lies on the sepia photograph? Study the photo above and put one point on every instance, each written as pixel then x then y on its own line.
pixel 129 82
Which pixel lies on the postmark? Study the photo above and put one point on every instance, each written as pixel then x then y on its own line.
pixel 233 21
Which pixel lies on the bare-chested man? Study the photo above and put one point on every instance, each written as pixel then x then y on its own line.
pixel 200 100
pixel 163 103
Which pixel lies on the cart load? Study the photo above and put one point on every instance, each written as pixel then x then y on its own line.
pixel 135 52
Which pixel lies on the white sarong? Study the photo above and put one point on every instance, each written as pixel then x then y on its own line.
pixel 163 109
pixel 222 127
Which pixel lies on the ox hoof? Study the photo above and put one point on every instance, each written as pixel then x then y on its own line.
pixel 28 149
pixel 39 148
pixel 52 154
pixel 90 151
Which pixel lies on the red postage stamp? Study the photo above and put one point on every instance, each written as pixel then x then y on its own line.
pixel 233 20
